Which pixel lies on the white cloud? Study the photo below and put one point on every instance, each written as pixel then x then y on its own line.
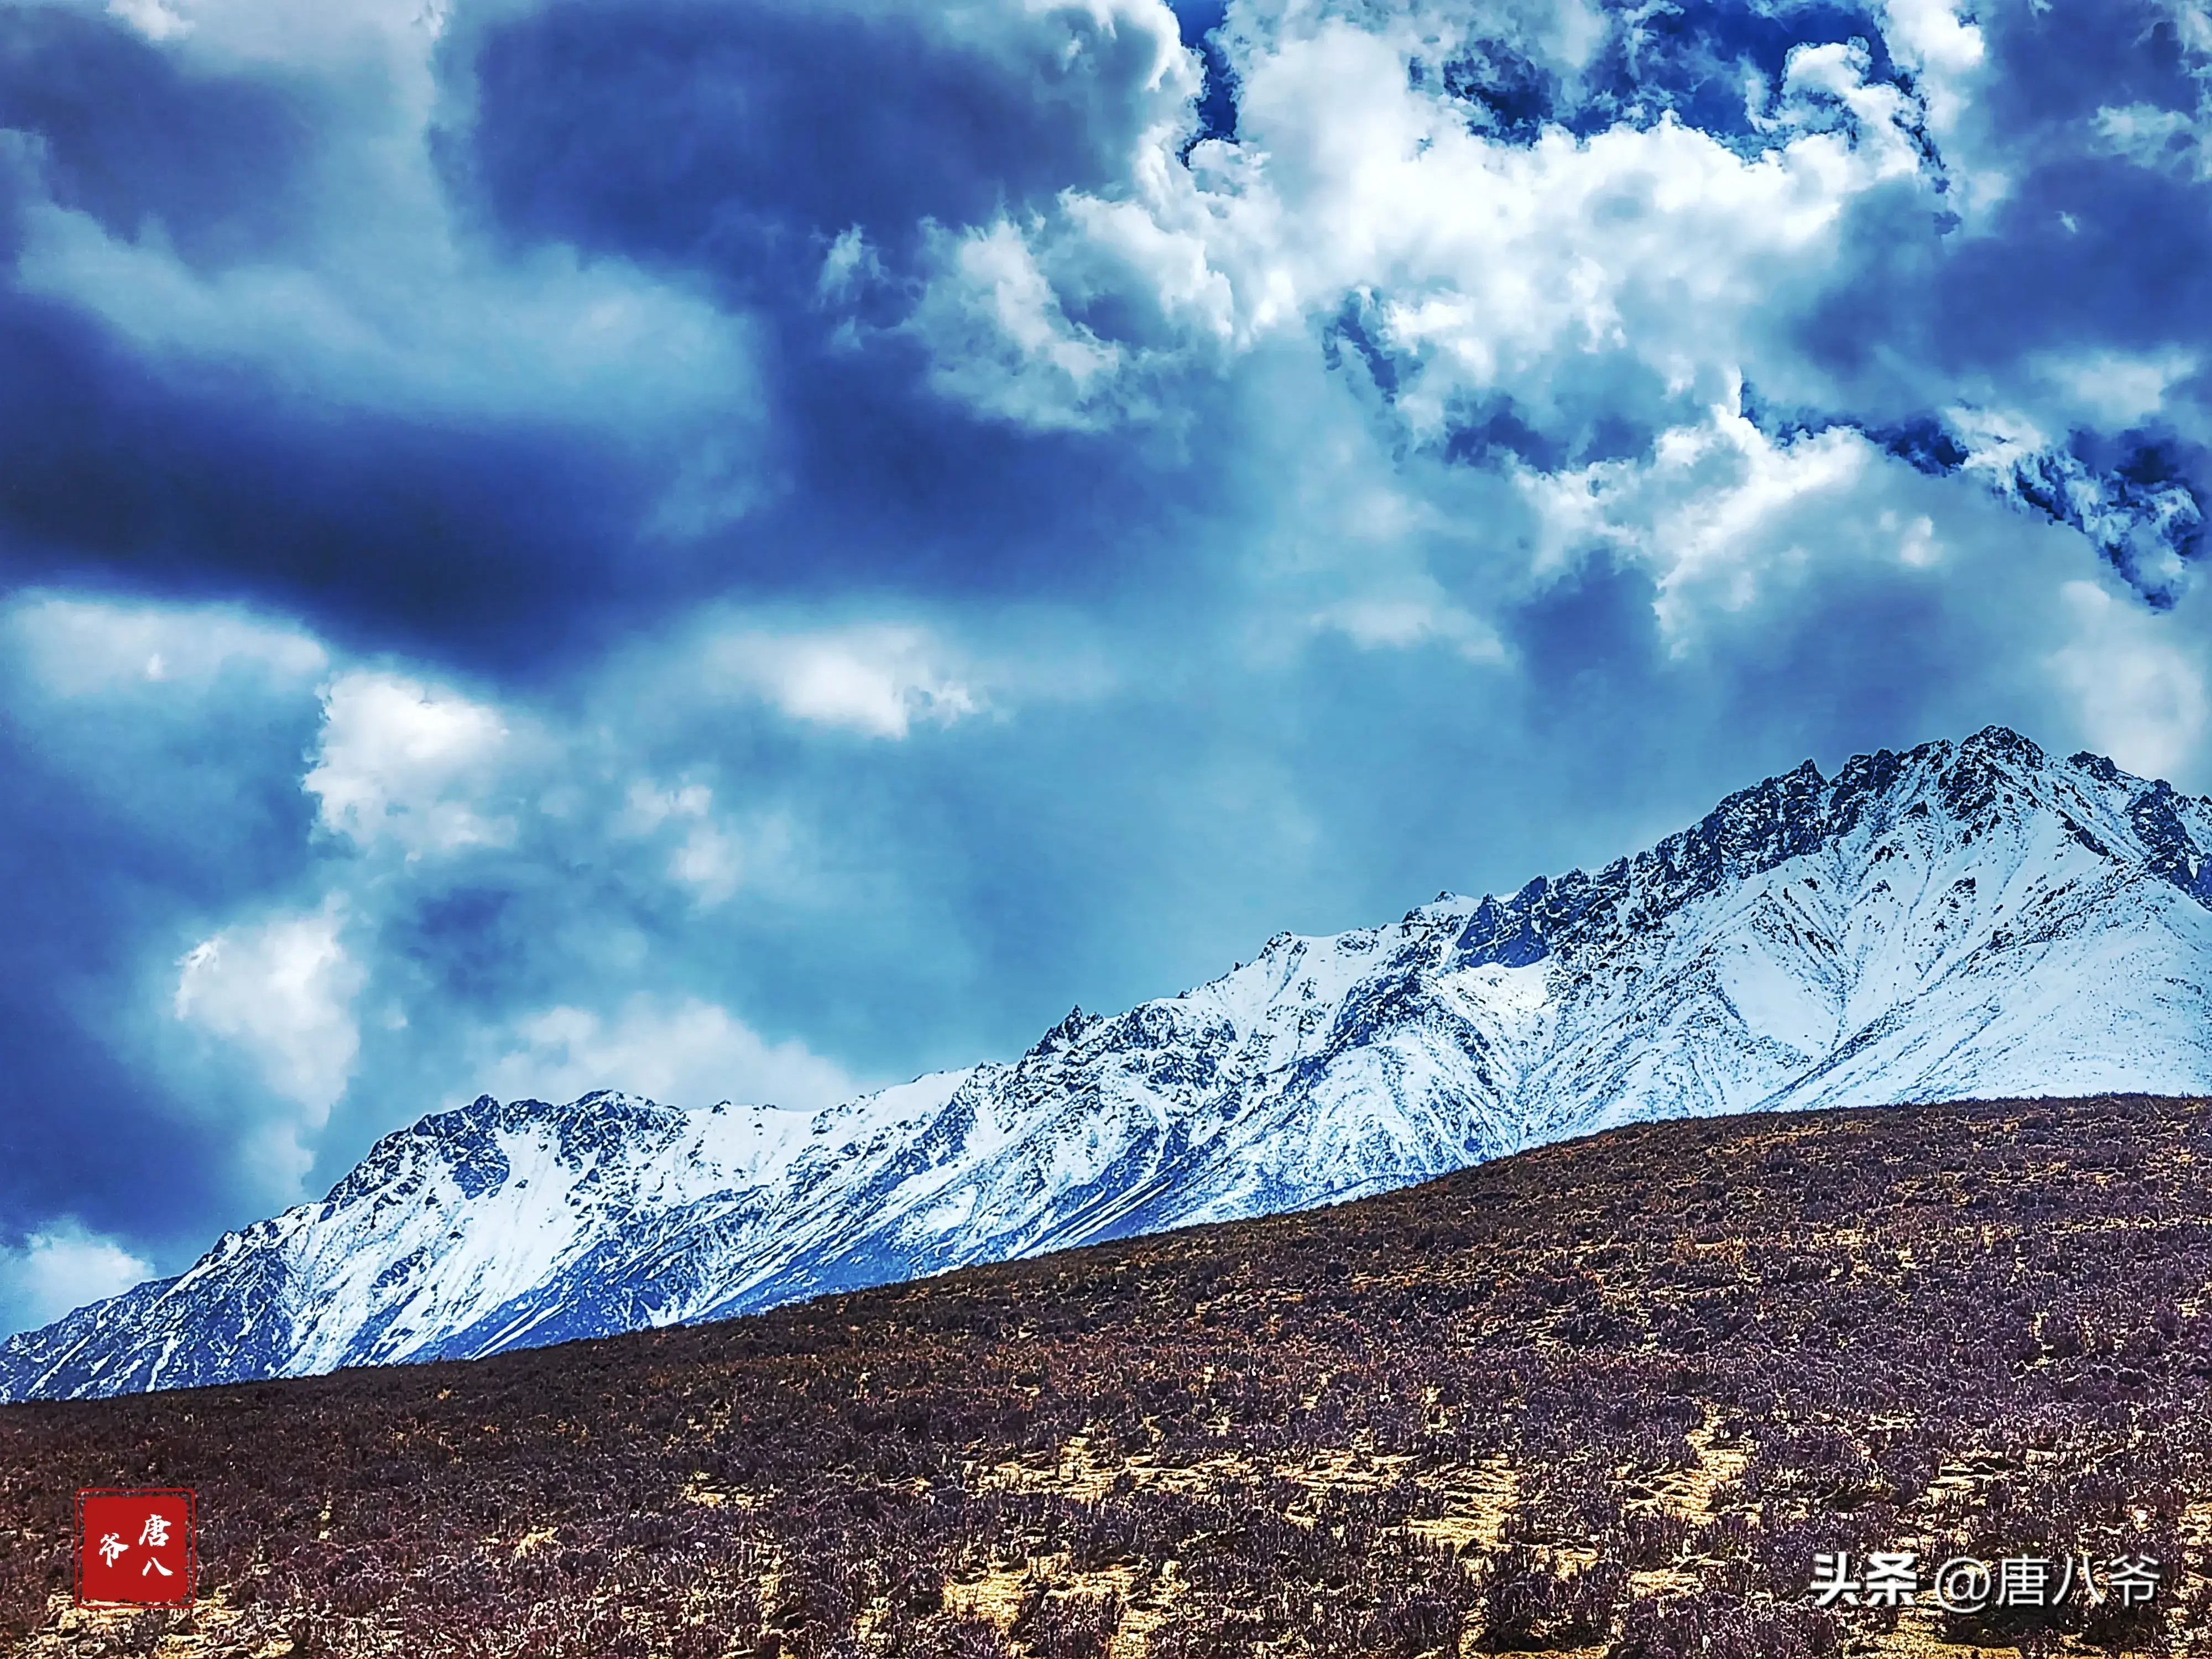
pixel 1521 269
pixel 390 298
pixel 1398 622
pixel 154 19
pixel 1000 340
pixel 77 647
pixel 710 861
pixel 876 677
pixel 2151 135
pixel 2192 20
pixel 60 1269
pixel 551 334
pixel 708 856
pixel 1719 511
pixel 690 1053
pixel 1631 264
pixel 2138 684
pixel 282 990
pixel 850 266
pixel 2118 389
pixel 404 763
pixel 649 806
pixel 1946 48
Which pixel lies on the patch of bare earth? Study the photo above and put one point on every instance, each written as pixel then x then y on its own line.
pixel 1475 1505
pixel 208 1630
pixel 1142 1600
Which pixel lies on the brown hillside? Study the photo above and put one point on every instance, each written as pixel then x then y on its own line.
pixel 1605 1397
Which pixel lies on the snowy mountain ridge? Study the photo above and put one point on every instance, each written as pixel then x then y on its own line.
pixel 1962 921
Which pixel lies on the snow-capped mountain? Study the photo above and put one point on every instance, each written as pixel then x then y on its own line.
pixel 1970 920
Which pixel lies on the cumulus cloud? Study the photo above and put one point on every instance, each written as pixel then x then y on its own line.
pixel 2139 686
pixel 1000 340
pixel 685 1053
pixel 707 854
pixel 1380 621
pixel 154 19
pixel 2115 389
pixel 61 1267
pixel 1540 295
pixel 1475 266
pixel 281 993
pixel 876 679
pixel 406 764
pixel 78 647
pixel 1718 513
pixel 283 990
pixel 1946 48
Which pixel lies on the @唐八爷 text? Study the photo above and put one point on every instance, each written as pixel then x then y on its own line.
pixel 1971 1583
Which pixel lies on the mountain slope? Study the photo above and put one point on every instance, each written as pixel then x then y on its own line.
pixel 1962 921
pixel 1607 1397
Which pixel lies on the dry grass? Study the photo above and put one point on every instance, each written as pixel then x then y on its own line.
pixel 1605 1399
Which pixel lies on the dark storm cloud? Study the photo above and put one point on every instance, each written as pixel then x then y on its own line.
pixel 83 1130
pixel 893 489
pixel 2088 251
pixel 740 139
pixel 1713 64
pixel 736 142
pixel 212 480
pixel 2085 249
pixel 731 142
pixel 130 136
pixel 2060 61
pixel 494 545
pixel 503 546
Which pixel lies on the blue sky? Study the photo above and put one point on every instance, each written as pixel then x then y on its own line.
pixel 757 549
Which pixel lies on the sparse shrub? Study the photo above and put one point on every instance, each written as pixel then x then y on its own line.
pixel 1700 1627
pixel 1715 1347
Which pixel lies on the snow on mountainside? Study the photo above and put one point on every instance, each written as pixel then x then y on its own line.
pixel 1972 920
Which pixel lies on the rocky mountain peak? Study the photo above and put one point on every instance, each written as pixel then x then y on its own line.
pixel 1918 927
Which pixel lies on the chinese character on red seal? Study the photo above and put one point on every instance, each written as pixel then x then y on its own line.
pixel 135 1546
